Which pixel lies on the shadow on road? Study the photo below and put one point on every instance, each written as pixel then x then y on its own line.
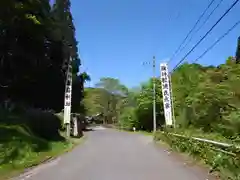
pixel 88 129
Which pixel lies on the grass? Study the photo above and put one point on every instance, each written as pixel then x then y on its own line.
pixel 22 147
pixel 24 151
pixel 225 165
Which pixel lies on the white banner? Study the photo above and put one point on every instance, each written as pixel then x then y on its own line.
pixel 67 114
pixel 166 93
pixel 68 96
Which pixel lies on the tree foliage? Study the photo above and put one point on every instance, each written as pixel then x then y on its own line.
pixel 144 105
pixel 125 107
pixel 208 97
pixel 108 97
pixel 36 41
pixel 205 98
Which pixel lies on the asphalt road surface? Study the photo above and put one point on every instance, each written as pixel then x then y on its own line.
pixel 113 155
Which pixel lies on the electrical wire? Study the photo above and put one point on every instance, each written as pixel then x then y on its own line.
pixel 206 34
pixel 199 19
pixel 208 17
pixel 217 41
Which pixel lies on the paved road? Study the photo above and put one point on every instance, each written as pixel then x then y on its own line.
pixel 112 155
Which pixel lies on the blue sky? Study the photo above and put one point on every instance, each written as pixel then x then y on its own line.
pixel 117 36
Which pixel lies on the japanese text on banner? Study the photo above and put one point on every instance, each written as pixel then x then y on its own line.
pixel 166 93
pixel 68 96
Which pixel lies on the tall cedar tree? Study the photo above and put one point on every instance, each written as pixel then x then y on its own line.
pixel 35 42
pixel 29 62
pixel 62 14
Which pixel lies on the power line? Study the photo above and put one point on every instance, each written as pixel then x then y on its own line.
pixel 199 19
pixel 207 33
pixel 217 41
pixel 208 17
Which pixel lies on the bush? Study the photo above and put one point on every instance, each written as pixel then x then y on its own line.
pixel 226 164
pixel 128 119
pixel 16 143
pixel 43 124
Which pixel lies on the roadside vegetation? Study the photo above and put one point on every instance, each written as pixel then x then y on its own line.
pixel 37 39
pixel 25 145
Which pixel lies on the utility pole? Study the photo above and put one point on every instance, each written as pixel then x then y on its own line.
pixel 154 91
pixel 154 95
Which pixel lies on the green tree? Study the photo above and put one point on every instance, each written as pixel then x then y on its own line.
pixel 138 110
pixel 36 41
pixel 114 92
pixel 128 119
pixel 108 97
pixel 207 98
pixel 29 62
